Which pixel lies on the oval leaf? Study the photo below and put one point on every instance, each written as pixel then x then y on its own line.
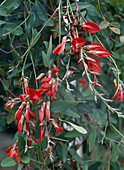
pixel 92 138
pixel 104 25
pixel 7 162
pixel 80 129
pixel 14 29
pixel 115 30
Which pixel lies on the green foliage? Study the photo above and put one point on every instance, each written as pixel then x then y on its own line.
pixel 26 51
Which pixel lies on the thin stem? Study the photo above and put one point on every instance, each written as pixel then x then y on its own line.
pixel 7 88
pixel 17 26
pixel 3 2
pixel 117 130
pixel 41 30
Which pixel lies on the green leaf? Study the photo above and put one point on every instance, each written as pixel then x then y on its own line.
pixel 12 27
pixel 21 145
pixel 20 166
pixel 92 138
pixel 82 5
pixel 115 153
pixel 71 113
pixel 60 106
pixel 59 139
pixel 121 3
pixel 3 11
pixel 2 22
pixel 115 30
pixel 73 134
pixel 114 3
pixel 80 129
pixel 63 32
pixel 45 59
pixel 30 21
pixel 13 3
pixel 10 117
pixel 42 14
pixel 7 162
pixel 49 51
pixel 34 35
pixel 16 56
pixel 115 24
pixel 64 153
pixel 104 25
pixel 25 159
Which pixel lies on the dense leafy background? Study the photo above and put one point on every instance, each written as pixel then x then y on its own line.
pixel 20 23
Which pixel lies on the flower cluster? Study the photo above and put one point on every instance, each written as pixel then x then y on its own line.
pixel 25 116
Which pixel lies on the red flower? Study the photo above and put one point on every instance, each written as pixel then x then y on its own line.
pixel 94 65
pixel 18 114
pixel 8 105
pixel 34 94
pixel 48 110
pixel 42 131
pixel 39 77
pixel 13 151
pixel 60 48
pixel 93 46
pixel 120 93
pixel 55 70
pixel 22 97
pixel 84 82
pixel 56 126
pixel 90 27
pixel 78 43
pixel 20 124
pixel 41 112
pixel 97 49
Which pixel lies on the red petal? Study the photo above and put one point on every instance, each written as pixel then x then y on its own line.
pixel 33 115
pixel 18 158
pixel 41 115
pixel 34 94
pixel 55 70
pixel 59 49
pixel 48 110
pixel 20 126
pixel 39 77
pixel 34 140
pixel 84 82
pixel 101 53
pixel 56 126
pixel 22 97
pixel 93 46
pixel 78 42
pixel 46 79
pixel 27 115
pixel 42 133
pixel 18 115
pixel 90 27
pixel 8 105
pixel 94 66
pixel 8 150
pixel 120 94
